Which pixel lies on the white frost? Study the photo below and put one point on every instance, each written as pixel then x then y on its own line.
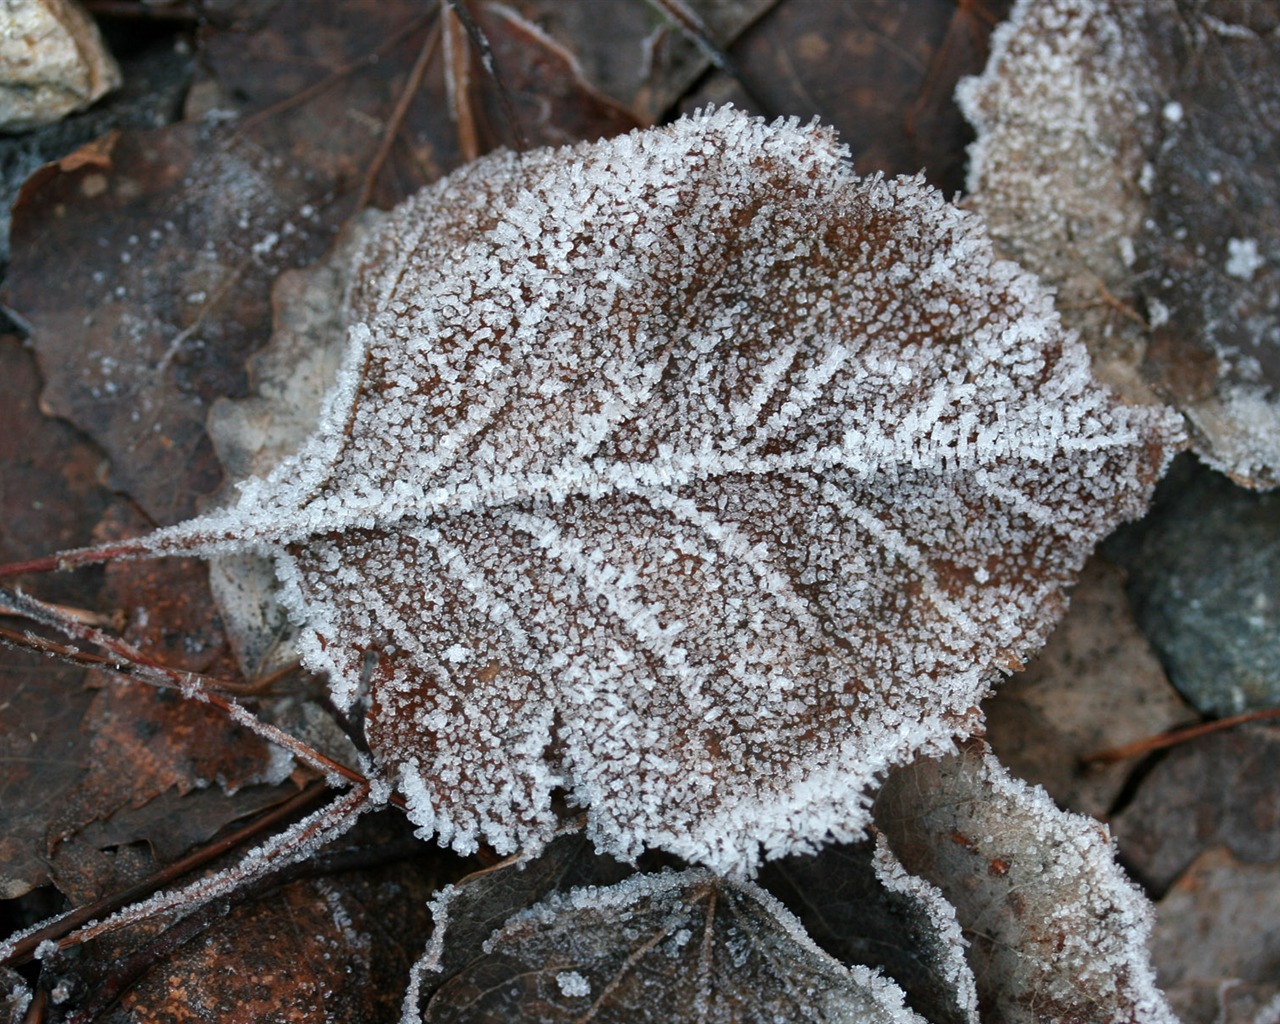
pixel 573 984
pixel 1243 258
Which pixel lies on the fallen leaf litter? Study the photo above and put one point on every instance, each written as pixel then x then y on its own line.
pixel 688 474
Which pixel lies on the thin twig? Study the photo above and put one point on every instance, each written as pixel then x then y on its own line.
pixel 1169 739
pixel 396 120
pixel 337 75
pixel 481 43
pixel 129 661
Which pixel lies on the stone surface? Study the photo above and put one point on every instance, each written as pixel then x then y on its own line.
pixel 52 62
pixel 1205 586
pixel 1218 790
pixel 1216 943
pixel 1096 685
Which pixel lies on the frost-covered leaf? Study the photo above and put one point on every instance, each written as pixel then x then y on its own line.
pixel 1057 931
pixel 689 474
pixel 1209 256
pixel 466 914
pixel 859 904
pixel 1054 171
pixel 1127 153
pixel 660 948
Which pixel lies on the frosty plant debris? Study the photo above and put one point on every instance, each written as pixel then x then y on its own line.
pixel 687 473
pixel 1127 153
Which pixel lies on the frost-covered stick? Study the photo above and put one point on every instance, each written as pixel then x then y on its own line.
pixel 129 661
pixel 26 640
pixel 64 560
pixel 58 928
pixel 294 844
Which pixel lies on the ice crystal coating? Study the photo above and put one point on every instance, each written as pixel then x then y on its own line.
pixel 1059 931
pixel 1126 152
pixel 692 475
pixel 662 947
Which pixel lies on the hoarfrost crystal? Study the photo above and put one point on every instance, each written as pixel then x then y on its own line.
pixel 692 475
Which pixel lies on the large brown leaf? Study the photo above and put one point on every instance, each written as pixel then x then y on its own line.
pixel 689 474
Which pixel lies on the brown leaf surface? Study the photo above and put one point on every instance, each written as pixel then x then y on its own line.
pixel 335 944
pixel 146 743
pixel 633 51
pixel 1095 685
pixel 881 72
pixel 49 489
pixel 550 100
pixel 144 262
pixel 82 770
pixel 1216 942
pixel 856 903
pixel 145 293
pixel 42 748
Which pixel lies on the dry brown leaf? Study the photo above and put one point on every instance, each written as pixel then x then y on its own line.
pixel 882 73
pixel 1096 685
pixel 860 905
pixel 770 532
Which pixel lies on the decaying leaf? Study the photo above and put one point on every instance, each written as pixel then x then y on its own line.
pixel 691 475
pixel 1127 153
pixel 883 73
pixel 1097 684
pixel 856 902
pixel 860 905
pixel 1057 931
pixel 327 941
pixel 693 946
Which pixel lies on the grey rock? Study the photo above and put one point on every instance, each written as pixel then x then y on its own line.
pixel 1204 581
